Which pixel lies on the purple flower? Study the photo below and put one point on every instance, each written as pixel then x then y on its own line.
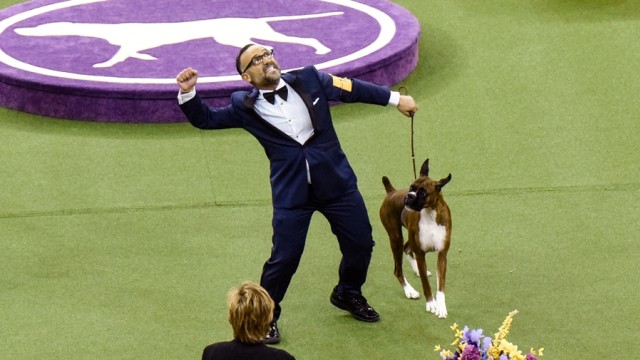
pixel 530 356
pixel 486 343
pixel 504 357
pixel 475 335
pixel 472 336
pixel 471 352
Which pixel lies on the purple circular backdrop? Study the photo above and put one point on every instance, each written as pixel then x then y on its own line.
pixel 116 60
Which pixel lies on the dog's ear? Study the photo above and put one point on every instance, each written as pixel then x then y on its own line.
pixel 424 170
pixel 442 183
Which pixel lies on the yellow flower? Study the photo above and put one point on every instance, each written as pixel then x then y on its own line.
pixel 494 351
pixel 498 346
pixel 508 347
pixel 539 352
pixel 503 331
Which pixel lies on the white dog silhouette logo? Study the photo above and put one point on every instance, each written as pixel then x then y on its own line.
pixel 134 38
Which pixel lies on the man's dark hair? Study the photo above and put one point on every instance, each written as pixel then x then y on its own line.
pixel 244 48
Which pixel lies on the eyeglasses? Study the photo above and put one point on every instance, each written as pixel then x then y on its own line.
pixel 257 60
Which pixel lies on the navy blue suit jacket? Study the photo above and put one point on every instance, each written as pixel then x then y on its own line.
pixel 331 174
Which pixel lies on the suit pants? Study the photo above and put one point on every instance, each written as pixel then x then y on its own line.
pixel 349 222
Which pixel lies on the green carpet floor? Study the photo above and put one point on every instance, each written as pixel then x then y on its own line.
pixel 120 241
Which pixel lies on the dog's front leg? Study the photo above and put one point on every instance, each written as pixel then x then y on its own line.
pixel 426 287
pixel 440 304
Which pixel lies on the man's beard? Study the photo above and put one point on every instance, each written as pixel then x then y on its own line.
pixel 272 76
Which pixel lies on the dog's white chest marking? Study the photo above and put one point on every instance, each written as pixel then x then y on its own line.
pixel 432 235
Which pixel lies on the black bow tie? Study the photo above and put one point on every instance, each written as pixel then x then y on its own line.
pixel 271 95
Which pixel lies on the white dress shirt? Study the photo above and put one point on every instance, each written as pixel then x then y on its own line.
pixel 290 116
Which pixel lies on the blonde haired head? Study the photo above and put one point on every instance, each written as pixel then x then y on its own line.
pixel 250 312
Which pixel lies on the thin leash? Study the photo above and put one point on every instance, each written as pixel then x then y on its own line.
pixel 413 153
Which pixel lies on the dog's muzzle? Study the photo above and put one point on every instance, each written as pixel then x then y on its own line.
pixel 413 202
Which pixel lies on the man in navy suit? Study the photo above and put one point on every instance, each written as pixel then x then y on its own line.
pixel 289 115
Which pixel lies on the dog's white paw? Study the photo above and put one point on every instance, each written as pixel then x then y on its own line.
pixel 437 306
pixel 321 50
pixel 409 291
pixel 431 306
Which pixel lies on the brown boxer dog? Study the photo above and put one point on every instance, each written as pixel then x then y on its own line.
pixel 421 209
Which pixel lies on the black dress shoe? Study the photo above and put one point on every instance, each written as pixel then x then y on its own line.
pixel 273 336
pixel 356 305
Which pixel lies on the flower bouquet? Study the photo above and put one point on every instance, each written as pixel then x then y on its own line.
pixel 473 345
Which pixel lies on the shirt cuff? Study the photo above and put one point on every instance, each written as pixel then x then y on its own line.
pixel 394 98
pixel 184 97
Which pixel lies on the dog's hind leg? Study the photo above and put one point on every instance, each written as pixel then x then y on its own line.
pixel 412 260
pixel 394 230
pixel 391 217
pixel 123 54
pixel 409 291
pixel 396 248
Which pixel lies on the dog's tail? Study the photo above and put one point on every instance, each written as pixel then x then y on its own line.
pixel 387 184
